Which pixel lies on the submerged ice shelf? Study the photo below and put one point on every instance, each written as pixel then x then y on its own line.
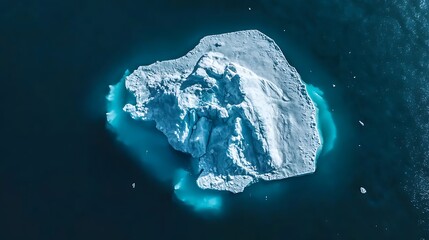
pixel 234 104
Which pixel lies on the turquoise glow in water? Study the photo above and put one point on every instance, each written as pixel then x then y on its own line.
pixel 187 191
pixel 325 122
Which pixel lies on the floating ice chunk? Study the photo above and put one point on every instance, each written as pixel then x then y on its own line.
pixel 235 105
pixel 240 109
pixel 362 190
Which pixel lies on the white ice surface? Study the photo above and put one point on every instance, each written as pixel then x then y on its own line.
pixel 235 104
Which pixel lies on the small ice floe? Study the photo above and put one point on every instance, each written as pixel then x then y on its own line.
pixel 362 190
pixel 133 185
pixel 266 198
pixel 250 9
pixel 333 85
pixel 361 123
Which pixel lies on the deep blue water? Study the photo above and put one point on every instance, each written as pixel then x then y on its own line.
pixel 64 176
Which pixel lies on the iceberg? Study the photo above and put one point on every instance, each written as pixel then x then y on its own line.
pixel 234 104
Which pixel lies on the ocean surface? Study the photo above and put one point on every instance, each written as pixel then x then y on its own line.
pixel 63 175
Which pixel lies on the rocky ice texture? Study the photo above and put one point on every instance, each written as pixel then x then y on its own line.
pixel 234 104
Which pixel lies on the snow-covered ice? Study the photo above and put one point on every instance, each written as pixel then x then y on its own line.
pixel 235 105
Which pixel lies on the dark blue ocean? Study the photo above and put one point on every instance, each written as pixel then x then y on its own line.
pixel 63 175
